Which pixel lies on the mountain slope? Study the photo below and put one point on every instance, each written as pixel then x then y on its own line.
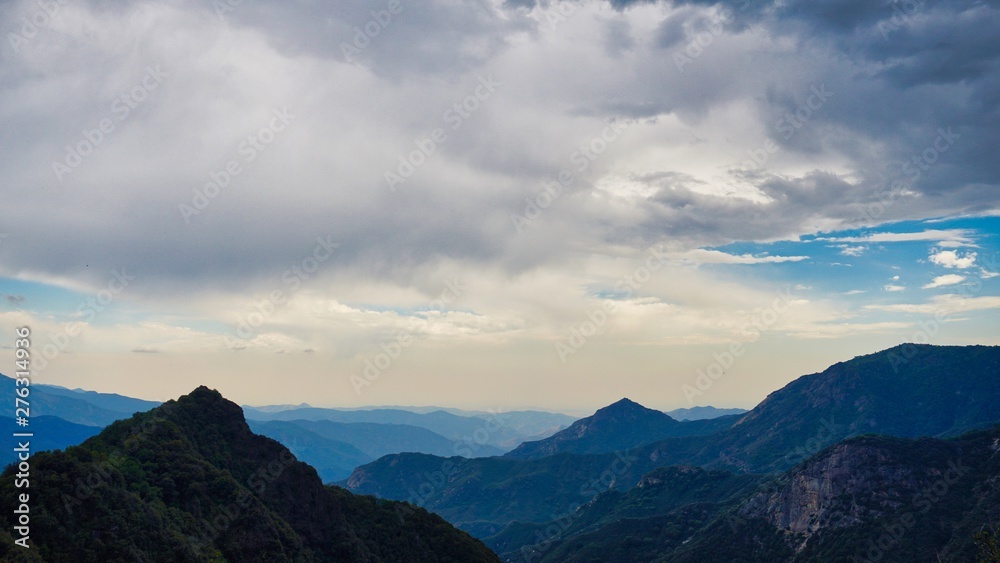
pixel 616 427
pixel 189 481
pixel 868 498
pixel 660 493
pixel 907 391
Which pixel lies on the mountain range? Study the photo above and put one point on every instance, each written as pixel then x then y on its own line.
pixel 892 456
pixel 334 441
pixel 908 392
pixel 869 498
pixel 497 430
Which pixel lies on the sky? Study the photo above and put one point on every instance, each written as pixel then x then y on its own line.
pixel 493 204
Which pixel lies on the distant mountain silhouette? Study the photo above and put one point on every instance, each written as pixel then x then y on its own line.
pixel 109 401
pixel 50 433
pixel 77 407
pixel 332 459
pixel 336 448
pixel 702 413
pixel 620 426
pixel 453 427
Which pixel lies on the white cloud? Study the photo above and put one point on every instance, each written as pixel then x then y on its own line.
pixel 677 176
pixel 951 259
pixel 943 305
pixel 947 279
pixel 703 256
pixel 944 237
pixel 847 250
pixel 836 330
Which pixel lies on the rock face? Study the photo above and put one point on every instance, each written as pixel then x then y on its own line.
pixel 852 482
pixel 189 481
pixel 869 498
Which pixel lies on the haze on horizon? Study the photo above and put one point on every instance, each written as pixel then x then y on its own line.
pixel 493 204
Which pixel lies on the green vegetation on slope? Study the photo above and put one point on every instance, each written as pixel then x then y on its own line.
pixel 189 481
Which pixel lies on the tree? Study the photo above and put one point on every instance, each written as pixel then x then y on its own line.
pixel 989 551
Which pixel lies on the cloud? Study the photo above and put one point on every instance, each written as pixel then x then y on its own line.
pixel 706 256
pixel 846 250
pixel 944 305
pixel 964 237
pixel 732 147
pixel 951 259
pixel 948 279
pixel 894 287
pixel 224 83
